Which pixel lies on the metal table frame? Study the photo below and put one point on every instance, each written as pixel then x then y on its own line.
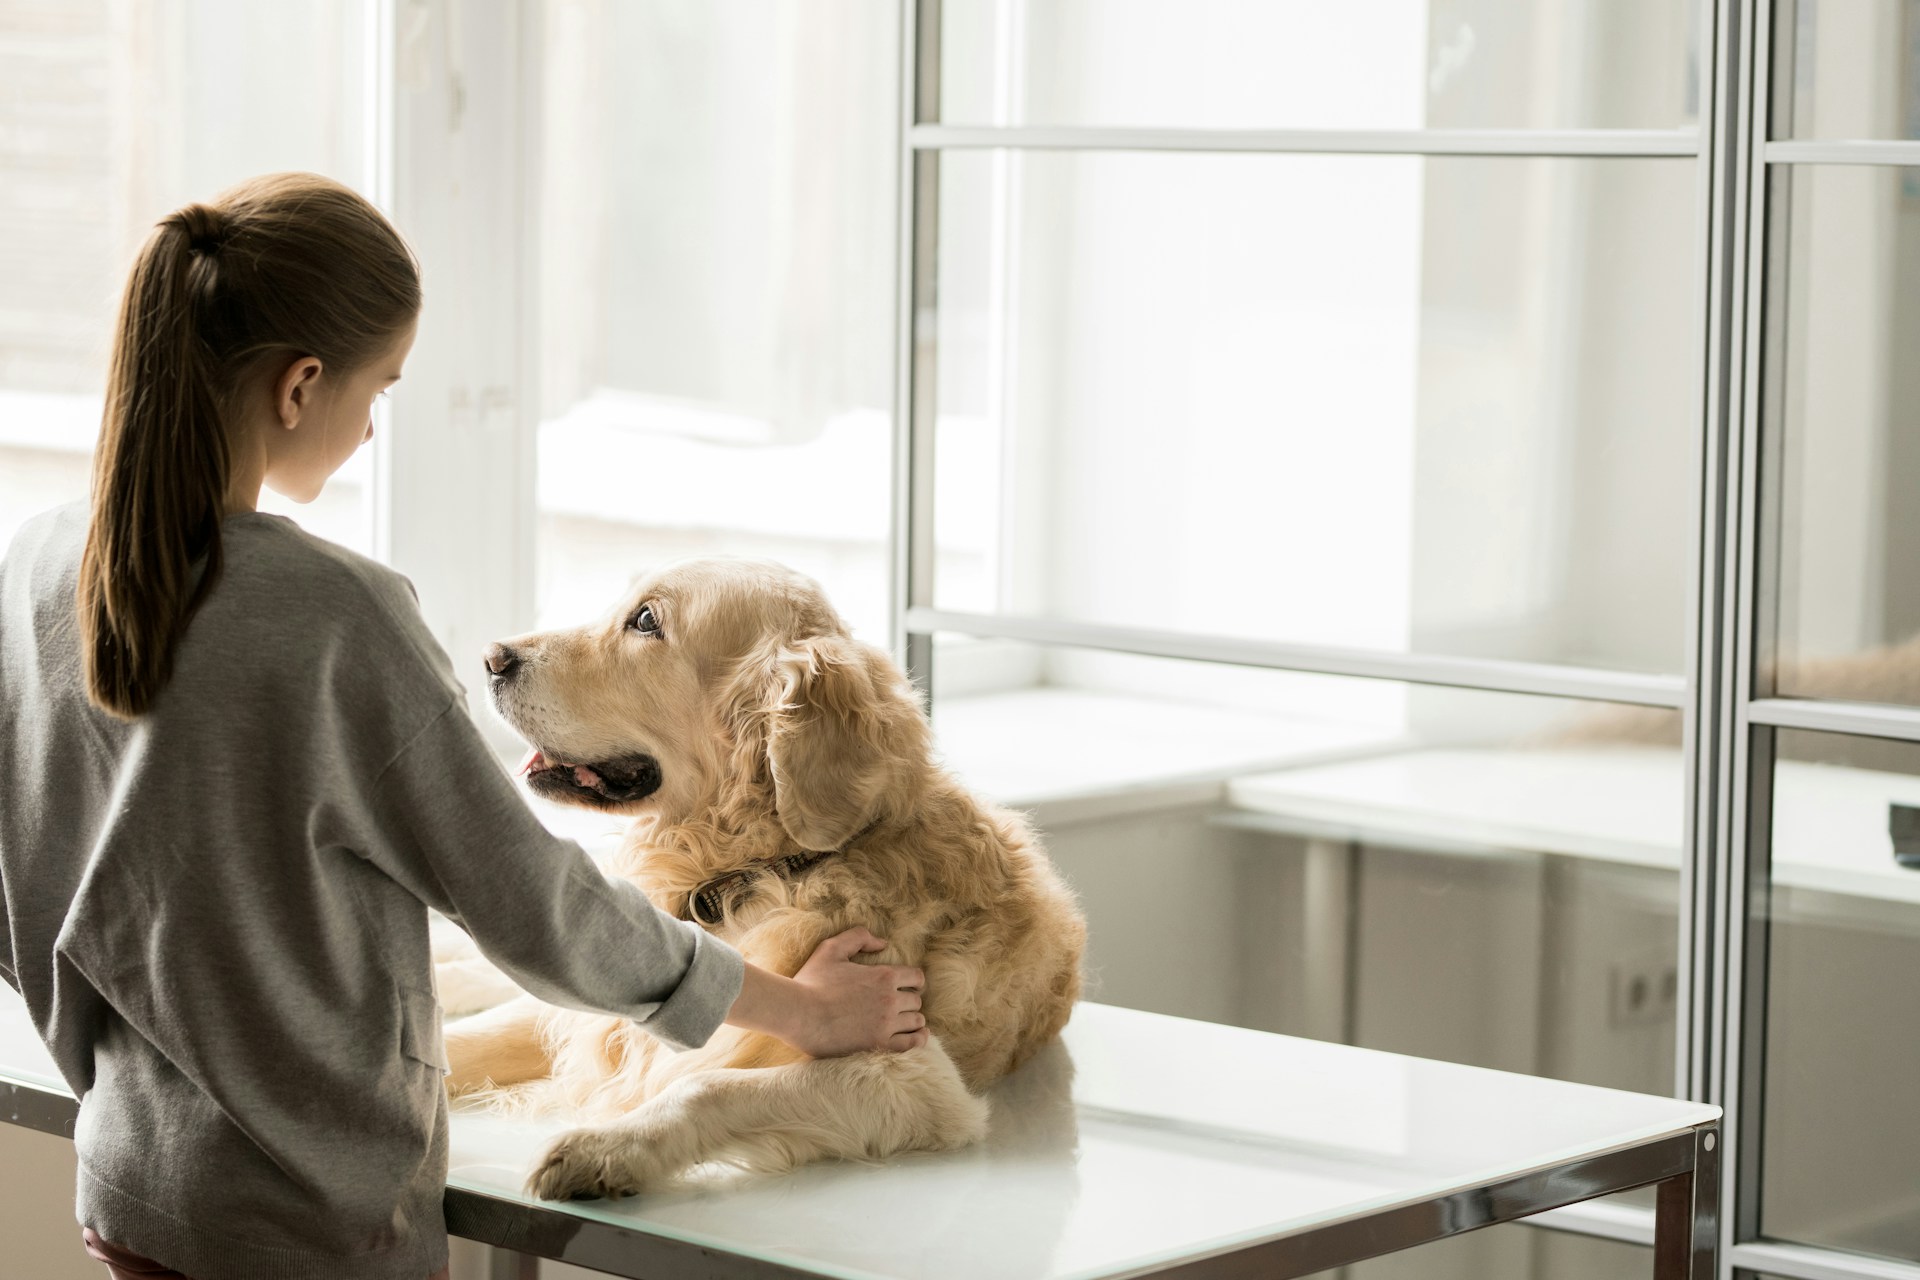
pixel 1684 1166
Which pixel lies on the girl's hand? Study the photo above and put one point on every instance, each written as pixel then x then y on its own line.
pixel 834 1005
pixel 859 1006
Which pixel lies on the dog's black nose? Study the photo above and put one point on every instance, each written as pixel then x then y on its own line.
pixel 500 659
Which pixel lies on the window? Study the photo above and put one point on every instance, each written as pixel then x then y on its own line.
pixel 716 303
pixel 1844 412
pixel 1423 404
pixel 1840 1144
pixel 107 123
pixel 1296 64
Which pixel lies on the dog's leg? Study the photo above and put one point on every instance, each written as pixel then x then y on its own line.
pixel 465 980
pixel 502 1046
pixel 868 1106
pixel 471 985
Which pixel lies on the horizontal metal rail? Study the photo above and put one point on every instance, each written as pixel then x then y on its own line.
pixel 1356 1239
pixel 46 1108
pixel 1798 1262
pixel 1855 152
pixel 1417 668
pixel 1865 719
pixel 1541 143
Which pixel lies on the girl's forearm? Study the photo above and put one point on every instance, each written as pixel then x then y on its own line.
pixel 769 1004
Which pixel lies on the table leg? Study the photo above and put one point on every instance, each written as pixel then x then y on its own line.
pixel 1686 1225
pixel 1327 939
pixel 504 1264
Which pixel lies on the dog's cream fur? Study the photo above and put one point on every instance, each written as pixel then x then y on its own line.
pixel 776 732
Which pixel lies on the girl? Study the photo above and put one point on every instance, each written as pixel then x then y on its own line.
pixel 239 770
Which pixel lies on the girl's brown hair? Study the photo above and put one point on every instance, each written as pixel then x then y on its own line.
pixel 279 267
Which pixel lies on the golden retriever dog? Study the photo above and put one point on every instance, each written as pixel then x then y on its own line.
pixel 781 780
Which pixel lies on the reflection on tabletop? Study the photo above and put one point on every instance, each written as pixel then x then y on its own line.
pixel 911 1215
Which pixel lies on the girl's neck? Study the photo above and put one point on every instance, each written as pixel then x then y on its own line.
pixel 246 472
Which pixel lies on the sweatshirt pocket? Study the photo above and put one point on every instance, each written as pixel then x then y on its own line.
pixel 420 1028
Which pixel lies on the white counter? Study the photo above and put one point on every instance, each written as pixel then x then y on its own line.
pixel 1621 804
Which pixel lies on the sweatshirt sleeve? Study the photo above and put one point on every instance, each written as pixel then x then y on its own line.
pixel 449 825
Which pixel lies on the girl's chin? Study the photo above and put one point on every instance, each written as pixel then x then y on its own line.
pixel 301 494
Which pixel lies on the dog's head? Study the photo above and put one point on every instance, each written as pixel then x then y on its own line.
pixel 716 682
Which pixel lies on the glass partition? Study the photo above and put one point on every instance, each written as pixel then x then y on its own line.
pixel 1840 1154
pixel 1435 405
pixel 1845 70
pixel 1485 878
pixel 1295 64
pixel 1842 399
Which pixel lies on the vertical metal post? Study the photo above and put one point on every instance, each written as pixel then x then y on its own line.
pixel 1750 901
pixel 915 329
pixel 1746 758
pixel 1686 1231
pixel 1717 686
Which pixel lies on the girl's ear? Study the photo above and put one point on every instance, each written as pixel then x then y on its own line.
pixel 845 738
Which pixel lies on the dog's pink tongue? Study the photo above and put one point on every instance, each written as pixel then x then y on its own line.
pixel 585 776
pixel 533 761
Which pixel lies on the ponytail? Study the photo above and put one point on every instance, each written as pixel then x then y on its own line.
pixel 286 265
pixel 159 472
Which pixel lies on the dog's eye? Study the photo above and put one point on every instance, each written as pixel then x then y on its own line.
pixel 644 622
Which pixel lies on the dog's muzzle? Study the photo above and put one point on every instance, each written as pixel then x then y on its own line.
pixel 617 781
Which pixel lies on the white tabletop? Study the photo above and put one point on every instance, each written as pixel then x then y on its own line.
pixel 1617 804
pixel 1140 1141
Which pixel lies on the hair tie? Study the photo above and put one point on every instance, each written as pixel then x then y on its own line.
pixel 206 227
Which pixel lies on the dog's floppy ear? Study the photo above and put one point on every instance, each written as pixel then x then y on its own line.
pixel 844 733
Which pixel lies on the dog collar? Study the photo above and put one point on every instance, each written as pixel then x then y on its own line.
pixel 710 901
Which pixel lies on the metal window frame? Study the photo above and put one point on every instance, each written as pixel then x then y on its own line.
pixel 1863 151
pixel 1799 1262
pixel 1536 144
pixel 911 538
pixel 1756 711
pixel 1861 719
pixel 1497 675
pixel 1740 953
pixel 923 139
pixel 1728 720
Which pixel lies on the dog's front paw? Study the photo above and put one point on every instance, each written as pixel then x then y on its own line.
pixel 589 1164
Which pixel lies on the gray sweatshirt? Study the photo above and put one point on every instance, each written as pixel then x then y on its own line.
pixel 217 915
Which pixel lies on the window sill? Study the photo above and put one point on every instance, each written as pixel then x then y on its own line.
pixel 1078 756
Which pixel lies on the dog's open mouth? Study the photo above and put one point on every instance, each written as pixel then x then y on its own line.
pixel 603 782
